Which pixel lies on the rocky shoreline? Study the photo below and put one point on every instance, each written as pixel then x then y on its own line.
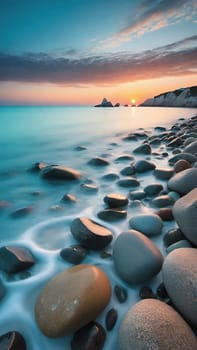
pixel 71 302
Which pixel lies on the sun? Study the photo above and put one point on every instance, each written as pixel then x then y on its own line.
pixel 133 101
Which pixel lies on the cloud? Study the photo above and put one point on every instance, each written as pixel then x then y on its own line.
pixel 175 59
pixel 152 15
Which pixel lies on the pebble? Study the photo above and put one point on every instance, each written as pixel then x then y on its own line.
pixel 185 214
pixel 112 214
pixel 180 244
pixel 172 236
pixel 90 337
pixel 98 161
pixel 110 177
pixel 69 198
pixel 127 171
pixel 129 182
pixel 136 257
pixel 74 254
pixel 176 142
pixel 89 188
pixel 120 293
pixel 144 165
pixel 183 182
pixel 163 173
pixel 137 195
pixel 90 234
pixel 148 224
pixel 15 259
pixel 165 214
pixel 116 200
pixel 12 341
pixel 180 278
pixel 151 324
pixel 153 189
pixel 162 201
pixel 146 293
pixel 20 213
pixel 162 292
pixel 123 158
pixel 71 299
pixel 185 156
pixel 39 166
pixel 60 172
pixel 143 149
pixel 111 319
pixel 181 165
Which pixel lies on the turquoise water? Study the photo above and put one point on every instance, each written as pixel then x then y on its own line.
pixel 51 134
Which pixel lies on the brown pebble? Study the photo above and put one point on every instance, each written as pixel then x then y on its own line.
pixel 181 165
pixel 165 214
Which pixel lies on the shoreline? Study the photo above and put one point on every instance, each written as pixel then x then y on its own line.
pixel 127 165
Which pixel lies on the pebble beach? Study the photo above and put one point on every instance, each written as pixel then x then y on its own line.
pixel 114 264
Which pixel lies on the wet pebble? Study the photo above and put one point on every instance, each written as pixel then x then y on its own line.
pixel 184 243
pixel 143 149
pixel 111 318
pixel 123 158
pixel 165 214
pixel 116 200
pixel 15 259
pixel 110 177
pixel 20 213
pixel 144 165
pixel 120 293
pixel 98 161
pixel 112 214
pixel 128 171
pixel 162 201
pixel 89 188
pixel 90 234
pixel 74 254
pixel 12 341
pixel 163 173
pixel 161 291
pixel 146 292
pixel 90 337
pixel 184 181
pixel 153 189
pixel 149 224
pixel 137 195
pixel 60 172
pixel 172 236
pixel 181 165
pixel 129 182
pixel 69 198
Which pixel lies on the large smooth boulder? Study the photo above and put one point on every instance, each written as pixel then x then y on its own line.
pixel 71 300
pixel 185 214
pixel 136 257
pixel 180 280
pixel 60 172
pixel 184 181
pixel 153 325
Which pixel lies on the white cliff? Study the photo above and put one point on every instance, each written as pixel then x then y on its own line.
pixel 184 97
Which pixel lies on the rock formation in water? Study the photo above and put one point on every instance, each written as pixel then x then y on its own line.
pixel 105 103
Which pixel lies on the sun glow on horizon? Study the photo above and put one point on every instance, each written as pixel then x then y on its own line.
pixel 133 101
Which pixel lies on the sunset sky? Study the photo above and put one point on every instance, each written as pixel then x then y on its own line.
pixel 79 51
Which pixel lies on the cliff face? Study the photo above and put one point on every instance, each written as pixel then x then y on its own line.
pixel 184 97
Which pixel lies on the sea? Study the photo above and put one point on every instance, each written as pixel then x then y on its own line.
pixel 68 136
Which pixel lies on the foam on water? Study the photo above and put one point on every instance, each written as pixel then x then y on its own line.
pixel 45 232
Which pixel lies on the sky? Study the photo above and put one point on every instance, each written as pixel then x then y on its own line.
pixel 75 52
